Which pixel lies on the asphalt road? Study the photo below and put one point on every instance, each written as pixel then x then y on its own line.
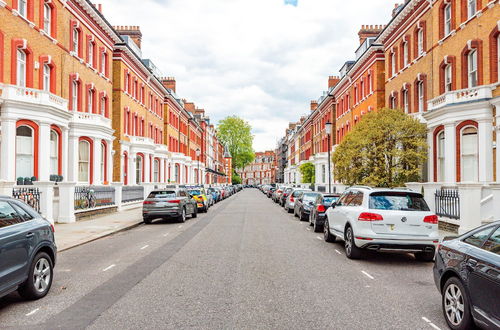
pixel 246 264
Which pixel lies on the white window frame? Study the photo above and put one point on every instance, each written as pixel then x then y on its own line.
pixel 20 156
pixel 76 41
pixel 441 156
pixel 47 18
pixel 84 163
pixel 75 86
pixel 471 8
pixel 406 58
pixel 103 62
pixel 91 54
pixel 46 72
pixel 463 173
pixel 448 78
pixel 90 100
pixel 138 169
pixel 22 6
pixel 472 68
pixel 393 63
pixel 498 56
pixel 103 161
pixel 404 96
pixel 156 170
pixel 21 68
pixel 447 19
pixel 421 92
pixel 420 41
pixel 54 154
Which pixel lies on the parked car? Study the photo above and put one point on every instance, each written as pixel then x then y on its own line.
pixel 284 195
pixel 201 199
pixel 27 250
pixel 169 203
pixel 270 192
pixel 292 196
pixel 304 204
pixel 317 215
pixel 383 220
pixel 277 194
pixel 467 273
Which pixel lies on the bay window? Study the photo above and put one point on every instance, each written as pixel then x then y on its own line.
pixel 83 161
pixel 469 154
pixel 54 152
pixel 24 151
pixel 440 152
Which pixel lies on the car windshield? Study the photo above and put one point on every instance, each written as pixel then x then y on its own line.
pixel 195 192
pixel 162 194
pixel 329 200
pixel 398 201
pixel 309 197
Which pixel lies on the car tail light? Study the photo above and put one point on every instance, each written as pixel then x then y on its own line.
pixel 321 208
pixel 175 201
pixel 366 216
pixel 432 219
pixel 52 228
pixel 285 195
pixel 148 202
pixel 292 199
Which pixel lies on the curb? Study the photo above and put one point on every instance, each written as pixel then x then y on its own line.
pixel 128 227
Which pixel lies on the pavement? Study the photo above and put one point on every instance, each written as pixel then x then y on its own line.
pixel 246 264
pixel 84 231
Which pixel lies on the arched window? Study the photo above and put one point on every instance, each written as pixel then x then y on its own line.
pixel 469 154
pixel 176 173
pixel 440 157
pixel 84 161
pixel 138 169
pixel 25 151
pixel 54 152
pixel 21 68
pixel 156 170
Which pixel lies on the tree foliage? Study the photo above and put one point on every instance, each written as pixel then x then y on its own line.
pixel 236 179
pixel 307 171
pixel 386 149
pixel 236 134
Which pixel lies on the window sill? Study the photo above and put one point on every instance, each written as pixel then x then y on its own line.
pixel 449 35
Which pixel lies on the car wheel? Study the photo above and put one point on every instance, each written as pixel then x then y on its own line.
pixel 39 278
pixel 351 250
pixel 328 237
pixel 316 227
pixel 182 217
pixel 424 256
pixel 310 220
pixel 195 213
pixel 147 221
pixel 456 306
pixel 288 210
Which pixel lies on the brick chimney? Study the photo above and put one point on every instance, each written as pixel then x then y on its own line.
pixel 332 81
pixel 99 7
pixel 189 106
pixel 133 32
pixel 314 105
pixel 368 31
pixel 169 83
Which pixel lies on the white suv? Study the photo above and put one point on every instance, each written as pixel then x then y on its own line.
pixel 383 219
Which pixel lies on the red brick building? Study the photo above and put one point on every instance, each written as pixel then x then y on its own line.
pixel 261 171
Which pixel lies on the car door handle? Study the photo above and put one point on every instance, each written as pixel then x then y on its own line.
pixel 30 235
pixel 471 264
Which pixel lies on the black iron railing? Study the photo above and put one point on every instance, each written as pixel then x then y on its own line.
pixel 448 203
pixel 30 196
pixel 92 197
pixel 132 193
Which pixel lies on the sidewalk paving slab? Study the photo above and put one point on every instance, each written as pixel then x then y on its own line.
pixel 81 232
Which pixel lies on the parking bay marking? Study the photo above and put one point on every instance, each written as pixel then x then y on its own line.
pixel 33 312
pixel 368 275
pixel 144 247
pixel 338 251
pixel 108 268
pixel 319 237
pixel 180 227
pixel 430 323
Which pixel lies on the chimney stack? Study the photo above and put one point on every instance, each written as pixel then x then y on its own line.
pixel 368 31
pixel 133 32
pixel 332 81
pixel 99 7
pixel 189 106
pixel 169 83
pixel 314 105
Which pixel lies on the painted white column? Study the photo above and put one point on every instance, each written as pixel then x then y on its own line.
pixel 65 152
pixel 430 194
pixel 485 142
pixel 109 155
pixel 8 150
pixel 118 194
pixel 147 168
pixel 46 199
pixel 44 152
pixel 72 159
pixel 470 206
pixel 450 153
pixel 66 202
pixel 430 158
pixel 131 169
pixel 97 161
pixel 498 148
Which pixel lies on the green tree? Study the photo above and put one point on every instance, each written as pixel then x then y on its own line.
pixel 236 134
pixel 307 171
pixel 236 179
pixel 386 149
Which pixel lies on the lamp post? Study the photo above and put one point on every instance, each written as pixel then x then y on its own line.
pixel 198 153
pixel 328 128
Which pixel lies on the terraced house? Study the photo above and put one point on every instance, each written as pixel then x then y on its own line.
pixel 261 171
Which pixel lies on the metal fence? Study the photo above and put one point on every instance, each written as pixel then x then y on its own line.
pixel 92 197
pixel 448 203
pixel 30 196
pixel 132 193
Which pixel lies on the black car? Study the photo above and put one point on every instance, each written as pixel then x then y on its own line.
pixel 467 273
pixel 304 205
pixel 27 250
pixel 317 215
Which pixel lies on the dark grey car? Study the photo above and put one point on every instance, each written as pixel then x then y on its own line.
pixel 27 250
pixel 169 203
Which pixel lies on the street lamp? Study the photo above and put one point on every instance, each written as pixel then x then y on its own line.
pixel 328 128
pixel 198 153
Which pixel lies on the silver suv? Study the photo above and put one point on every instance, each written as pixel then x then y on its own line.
pixel 174 203
pixel 382 219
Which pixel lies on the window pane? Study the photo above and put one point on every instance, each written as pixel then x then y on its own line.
pixel 478 238
pixel 83 161
pixel 8 216
pixel 398 201
pixel 54 154
pixel 24 151
pixel 493 243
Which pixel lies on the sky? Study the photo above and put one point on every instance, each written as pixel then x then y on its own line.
pixel 262 60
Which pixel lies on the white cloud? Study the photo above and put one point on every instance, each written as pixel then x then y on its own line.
pixel 259 59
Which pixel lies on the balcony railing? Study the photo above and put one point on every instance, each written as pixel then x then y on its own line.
pixel 461 96
pixel 91 119
pixel 33 96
